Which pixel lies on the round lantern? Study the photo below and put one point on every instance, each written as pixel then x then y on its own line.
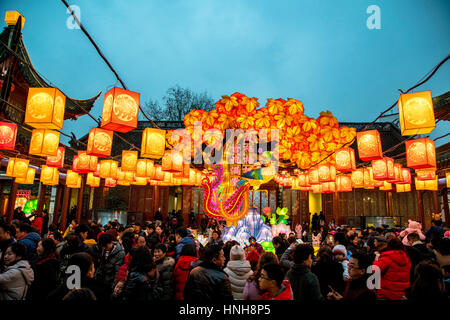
pixel 345 159
pixel 369 145
pixel 17 168
pixel 153 143
pixel 99 142
pixel 45 108
pixel 120 110
pixel 8 134
pixel 129 160
pixel 416 113
pixel 44 142
pixel 420 153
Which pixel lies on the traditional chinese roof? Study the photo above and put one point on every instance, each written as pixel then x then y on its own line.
pixel 441 106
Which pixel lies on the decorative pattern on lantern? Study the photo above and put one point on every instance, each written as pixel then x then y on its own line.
pixel 127 176
pixel 358 178
pixel 416 113
pixel 49 175
pixel 120 110
pixel 159 173
pixel 403 187
pixel 328 187
pixel 368 178
pixel 327 172
pixel 343 183
pixel 8 134
pixel 110 182
pixel 406 176
pixel 423 175
pixel 29 179
pixel 420 153
pixel 92 180
pixel 129 160
pixel 397 174
pixel 383 169
pixel 45 108
pixel 108 169
pixel 316 188
pixel 369 145
pixel 58 160
pixel 153 143
pixel 73 179
pixel 84 163
pixel 44 142
pixel 99 143
pixel 345 159
pixel 172 161
pixel 313 175
pixel 17 168
pixel 145 168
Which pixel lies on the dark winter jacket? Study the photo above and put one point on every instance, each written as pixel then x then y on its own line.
pixel 31 241
pixel 110 265
pixel 329 273
pixel 357 290
pixel 181 273
pixel 304 283
pixel 101 291
pixel 208 283
pixel 165 268
pixel 184 241
pixel 140 288
pixel 153 239
pixel 435 233
pixel 45 278
pixel 418 252
pixel 395 268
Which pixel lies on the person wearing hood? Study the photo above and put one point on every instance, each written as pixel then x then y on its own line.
pixel 18 277
pixel 182 238
pixel 182 268
pixel 111 259
pixel 238 270
pixel 395 266
pixel 30 239
pixel 165 267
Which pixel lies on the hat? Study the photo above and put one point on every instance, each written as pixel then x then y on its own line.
pixel 340 249
pixel 380 239
pixel 237 253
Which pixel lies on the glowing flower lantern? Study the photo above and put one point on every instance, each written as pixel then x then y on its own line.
pixel 17 168
pixel 44 142
pixel 343 183
pixel 403 187
pixel 345 159
pixel 358 178
pixel 420 153
pixel 49 175
pixel 120 110
pixel 153 143
pixel 129 160
pixel 383 169
pixel 108 169
pixel 159 173
pixel 416 113
pixel 110 182
pixel 99 142
pixel 29 179
pixel 313 175
pixel 327 172
pixel 145 168
pixel 58 160
pixel 369 145
pixel 8 134
pixel 328 187
pixel 172 162
pixel 92 180
pixel 73 179
pixel 405 176
pixel 368 178
pixel 45 108
pixel 386 187
pixel 423 175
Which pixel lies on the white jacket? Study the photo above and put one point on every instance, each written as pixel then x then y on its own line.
pixel 15 281
pixel 238 272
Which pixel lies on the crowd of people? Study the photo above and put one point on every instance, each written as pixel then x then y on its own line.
pixel 166 261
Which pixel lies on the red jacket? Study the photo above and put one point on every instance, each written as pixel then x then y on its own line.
pixel 253 255
pixel 181 273
pixel 286 294
pixel 123 270
pixel 37 223
pixel 395 269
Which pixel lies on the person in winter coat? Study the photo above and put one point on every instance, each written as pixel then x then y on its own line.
pixel 111 260
pixel 17 278
pixel 251 289
pixel 165 267
pixel 417 252
pixel 436 232
pixel 45 270
pixel 214 238
pixel 238 270
pixel 182 268
pixel 395 268
pixel 272 283
pixel 30 239
pixel 429 285
pixel 182 238
pixel 7 233
pixel 340 255
pixel 122 274
pixel 38 222
pixel 207 282
pixel 328 271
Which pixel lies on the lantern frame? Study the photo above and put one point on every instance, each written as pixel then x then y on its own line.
pixel 375 151
pixel 427 119
pixel 50 119
pixel 39 144
pixel 114 117
pixel 100 142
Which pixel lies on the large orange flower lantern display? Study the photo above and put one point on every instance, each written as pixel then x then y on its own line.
pixel 8 133
pixel 369 145
pixel 45 108
pixel 420 153
pixel 44 142
pixel 120 110
pixel 99 143
pixel 416 113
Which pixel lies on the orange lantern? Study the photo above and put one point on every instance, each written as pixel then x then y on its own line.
pixel 369 145
pixel 58 160
pixel 397 174
pixel 316 188
pixel 358 178
pixel 8 134
pixel 17 168
pixel 129 160
pixel 403 187
pixel 327 172
pixel 343 183
pixel 420 153
pixel 123 183
pixel 108 169
pixel 405 176
pixel 73 179
pixel 153 143
pixel 110 182
pixel 303 180
pixel 383 169
pixel 159 173
pixel 313 175
pixel 92 180
pixel 423 175
pixel 416 113
pixel 386 187
pixel 345 159
pixel 378 184
pixel 120 110
pixel 84 163
pixel 123 175
pixel 447 177
pixel 368 178
pixel 44 142
pixel 99 143
pixel 49 175
pixel 139 181
pixel 172 161
pixel 97 171
pixel 29 179
pixel 45 108
pixel 328 187
pixel 145 168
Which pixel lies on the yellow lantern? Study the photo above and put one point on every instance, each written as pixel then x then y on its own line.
pixel 403 187
pixel 44 142
pixel 447 177
pixel 12 17
pixel 368 178
pixel 129 160
pixel 92 180
pixel 416 113
pixel 29 179
pixel 17 168
pixel 358 178
pixel 108 169
pixel 123 183
pixel 386 187
pixel 426 185
pixel 49 175
pixel 145 168
pixel 139 181
pixel 153 143
pixel 45 108
pixel 73 179
pixel 172 162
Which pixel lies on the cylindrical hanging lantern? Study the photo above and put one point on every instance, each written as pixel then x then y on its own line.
pixel 45 108
pixel 129 160
pixel 44 142
pixel 8 134
pixel 327 172
pixel 403 187
pixel 58 160
pixel 153 143
pixel 29 179
pixel 358 178
pixel 99 143
pixel 108 169
pixel 17 168
pixel 92 180
pixel 416 113
pixel 120 110
pixel 172 162
pixel 369 145
pixel 343 183
pixel 345 159
pixel 420 153
pixel 424 174
pixel 383 169
pixel 145 168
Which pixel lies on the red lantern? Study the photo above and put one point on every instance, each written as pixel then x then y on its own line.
pixel 84 163
pixel 58 160
pixel 383 169
pixel 358 178
pixel 423 175
pixel 345 159
pixel 329 187
pixel 120 110
pixel 369 145
pixel 420 153
pixel 405 176
pixel 327 172
pixel 8 134
pixel 99 143
pixel 110 183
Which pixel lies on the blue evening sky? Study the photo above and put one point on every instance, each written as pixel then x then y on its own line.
pixel 318 51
